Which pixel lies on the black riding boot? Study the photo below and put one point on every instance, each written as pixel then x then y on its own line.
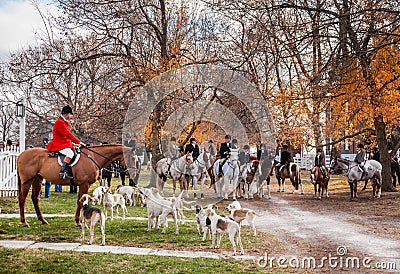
pixel 64 172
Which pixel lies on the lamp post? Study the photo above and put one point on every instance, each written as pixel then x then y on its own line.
pixel 21 115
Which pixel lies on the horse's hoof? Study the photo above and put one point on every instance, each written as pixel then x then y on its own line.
pixel 269 197
pixel 279 190
pixel 44 222
pixel 319 198
pixel 26 225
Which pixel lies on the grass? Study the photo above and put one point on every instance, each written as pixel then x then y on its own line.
pixel 46 261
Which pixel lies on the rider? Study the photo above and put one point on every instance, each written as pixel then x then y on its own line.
pixel 244 155
pixel 193 147
pixel 360 158
pixel 286 158
pixel 173 149
pixel 262 153
pixel 224 152
pixel 320 162
pixel 63 140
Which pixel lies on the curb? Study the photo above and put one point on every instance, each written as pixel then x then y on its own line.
pixel 120 250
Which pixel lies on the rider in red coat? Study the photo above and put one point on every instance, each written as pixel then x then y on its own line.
pixel 63 140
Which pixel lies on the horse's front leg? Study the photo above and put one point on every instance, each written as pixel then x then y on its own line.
pixel 320 190
pixel 226 182
pixel 234 186
pixel 355 189
pixel 36 187
pixel 83 189
pixel 174 186
pixel 194 180
pixel 202 186
pixel 283 185
pixel 365 185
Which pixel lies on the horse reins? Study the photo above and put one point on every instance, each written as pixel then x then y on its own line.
pixel 93 160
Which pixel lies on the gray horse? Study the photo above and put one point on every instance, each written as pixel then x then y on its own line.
pixel 176 170
pixel 198 172
pixel 354 174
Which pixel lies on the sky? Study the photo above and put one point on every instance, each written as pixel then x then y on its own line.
pixel 19 20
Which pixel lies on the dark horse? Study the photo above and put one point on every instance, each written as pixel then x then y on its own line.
pixel 130 168
pixel 317 178
pixel 35 164
pixel 395 171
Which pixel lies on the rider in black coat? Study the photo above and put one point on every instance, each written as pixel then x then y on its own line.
pixel 193 147
pixel 286 158
pixel 224 152
pixel 320 162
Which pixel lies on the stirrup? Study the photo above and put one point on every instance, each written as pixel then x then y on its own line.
pixel 65 175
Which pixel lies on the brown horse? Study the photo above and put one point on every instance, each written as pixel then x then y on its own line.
pixel 35 164
pixel 317 178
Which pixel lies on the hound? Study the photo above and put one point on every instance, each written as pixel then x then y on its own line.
pixel 158 206
pixel 128 193
pixel 112 201
pixel 238 214
pixel 91 215
pixel 202 220
pixel 221 226
pixel 98 193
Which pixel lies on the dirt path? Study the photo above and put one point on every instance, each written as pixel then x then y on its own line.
pixel 325 234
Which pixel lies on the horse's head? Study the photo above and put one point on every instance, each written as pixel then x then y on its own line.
pixel 255 167
pixel 189 158
pixel 333 165
pixel 234 155
pixel 207 159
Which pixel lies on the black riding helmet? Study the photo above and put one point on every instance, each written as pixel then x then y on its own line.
pixel 66 110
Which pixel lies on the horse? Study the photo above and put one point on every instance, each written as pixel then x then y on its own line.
pixel 395 171
pixel 106 175
pixel 354 174
pixel 176 170
pixel 250 178
pixel 289 171
pixel 265 177
pixel 230 171
pixel 130 168
pixel 317 178
pixel 35 164
pixel 199 171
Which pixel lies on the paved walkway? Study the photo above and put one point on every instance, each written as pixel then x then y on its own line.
pixel 119 250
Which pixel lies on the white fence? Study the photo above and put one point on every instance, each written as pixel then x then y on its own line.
pixel 8 171
pixel 307 162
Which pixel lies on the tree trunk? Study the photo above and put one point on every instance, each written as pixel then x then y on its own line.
pixel 380 129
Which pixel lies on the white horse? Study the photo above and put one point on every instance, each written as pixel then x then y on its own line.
pixel 199 172
pixel 354 174
pixel 176 170
pixel 230 171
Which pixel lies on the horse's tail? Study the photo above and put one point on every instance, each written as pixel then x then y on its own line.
pixel 295 171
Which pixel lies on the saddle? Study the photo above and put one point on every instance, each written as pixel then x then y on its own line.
pixel 74 160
